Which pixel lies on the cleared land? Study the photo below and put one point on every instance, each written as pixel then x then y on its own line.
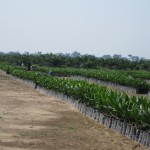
pixel 32 121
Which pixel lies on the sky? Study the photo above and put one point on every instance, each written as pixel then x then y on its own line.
pixel 95 27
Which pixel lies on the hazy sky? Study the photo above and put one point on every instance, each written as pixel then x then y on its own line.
pixel 88 26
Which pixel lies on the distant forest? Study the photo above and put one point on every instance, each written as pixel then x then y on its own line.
pixel 76 60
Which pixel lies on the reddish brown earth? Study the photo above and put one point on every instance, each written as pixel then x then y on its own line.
pixel 33 121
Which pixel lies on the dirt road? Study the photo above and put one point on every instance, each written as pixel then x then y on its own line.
pixel 32 121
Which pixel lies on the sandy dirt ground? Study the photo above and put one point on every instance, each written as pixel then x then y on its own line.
pixel 33 121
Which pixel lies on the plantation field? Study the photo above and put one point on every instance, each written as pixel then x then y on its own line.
pixel 134 79
pixel 113 88
pixel 30 120
pixel 136 82
pixel 131 109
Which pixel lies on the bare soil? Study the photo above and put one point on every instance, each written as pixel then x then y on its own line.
pixel 33 121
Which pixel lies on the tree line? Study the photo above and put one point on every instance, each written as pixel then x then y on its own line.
pixel 79 61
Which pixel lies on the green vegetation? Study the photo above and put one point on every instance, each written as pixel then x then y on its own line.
pixel 134 110
pixel 113 76
pixel 138 74
pixel 82 61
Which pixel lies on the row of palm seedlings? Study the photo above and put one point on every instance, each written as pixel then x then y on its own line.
pixel 106 75
pixel 9 68
pixel 133 110
pixel 141 74
pixel 138 74
pixel 116 77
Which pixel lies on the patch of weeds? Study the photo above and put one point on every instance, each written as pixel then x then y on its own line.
pixel 72 128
